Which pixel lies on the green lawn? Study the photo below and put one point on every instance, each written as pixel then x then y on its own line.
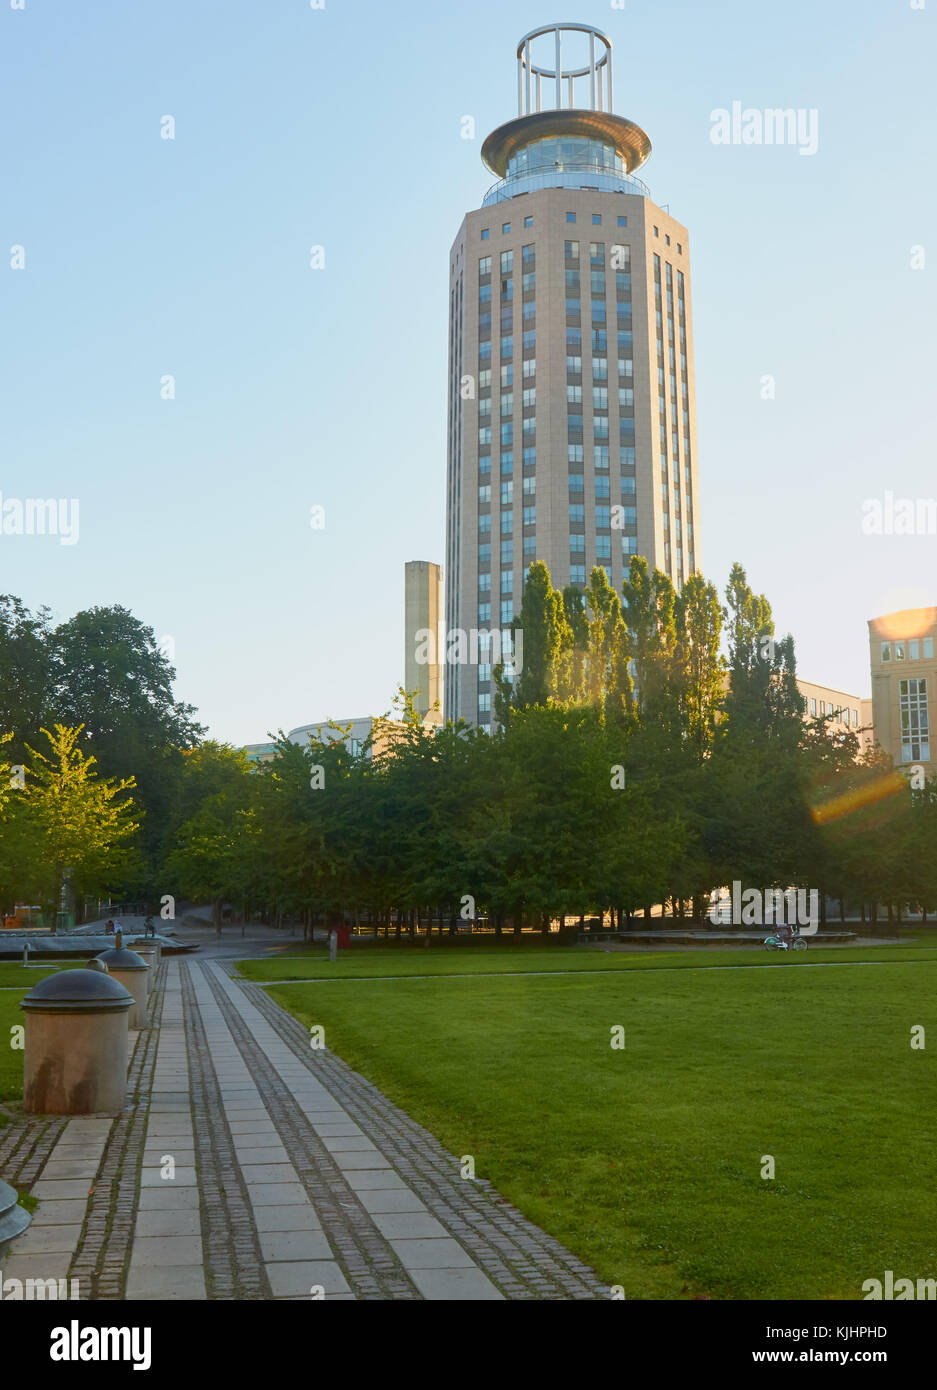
pixel 14 974
pixel 377 963
pixel 647 1161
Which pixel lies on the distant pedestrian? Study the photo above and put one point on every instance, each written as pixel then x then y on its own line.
pixel 109 927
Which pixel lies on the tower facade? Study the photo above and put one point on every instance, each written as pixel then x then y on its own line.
pixel 423 616
pixel 571 427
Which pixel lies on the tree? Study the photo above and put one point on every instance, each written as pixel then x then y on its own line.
pixel 74 822
pixel 608 684
pixel 547 642
pixel 207 847
pixel 699 665
pixel 25 673
pixel 109 675
pixel 759 828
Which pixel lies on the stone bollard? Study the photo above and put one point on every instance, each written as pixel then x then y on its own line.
pixel 148 951
pixel 13 1218
pixel 131 971
pixel 75 1058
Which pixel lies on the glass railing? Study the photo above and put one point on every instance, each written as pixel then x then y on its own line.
pixel 566 176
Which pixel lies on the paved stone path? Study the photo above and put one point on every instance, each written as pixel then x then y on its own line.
pixel 249 1165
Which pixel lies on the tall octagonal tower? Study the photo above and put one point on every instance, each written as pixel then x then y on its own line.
pixel 571 429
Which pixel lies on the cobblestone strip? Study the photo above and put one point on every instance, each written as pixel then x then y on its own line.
pixel 370 1265
pixel 233 1264
pixel 25 1144
pixel 523 1260
pixel 46 1248
pixel 103 1252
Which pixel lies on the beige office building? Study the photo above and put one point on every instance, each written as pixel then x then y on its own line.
pixel 571 431
pixel 844 711
pixel 904 677
pixel 424 638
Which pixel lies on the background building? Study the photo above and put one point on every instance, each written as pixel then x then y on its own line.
pixel 352 732
pixel 260 752
pixel 850 711
pixel 904 675
pixel 571 428
pixel 423 612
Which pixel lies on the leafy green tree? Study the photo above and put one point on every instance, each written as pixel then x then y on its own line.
pixel 73 822
pixel 109 675
pixel 547 642
pixel 25 673
pixel 699 665
pixel 208 847
pixel 608 679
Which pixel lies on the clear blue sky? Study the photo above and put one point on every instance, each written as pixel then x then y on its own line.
pixel 341 127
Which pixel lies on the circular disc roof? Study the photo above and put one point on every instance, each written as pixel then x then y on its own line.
pixel 119 958
pixel 628 139
pixel 77 991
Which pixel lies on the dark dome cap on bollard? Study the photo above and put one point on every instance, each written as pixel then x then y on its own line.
pixel 119 958
pixel 78 992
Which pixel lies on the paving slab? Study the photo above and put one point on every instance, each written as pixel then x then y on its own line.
pixel 290 1279
pixel 451 1285
pixel 275 1194
pixel 360 1161
pixel 409 1224
pixel 165 1250
pixel 348 1143
pixel 368 1179
pixel 302 1217
pixel 432 1254
pixel 61 1189
pixel 168 1223
pixel 390 1199
pixel 50 1265
pixel 295 1245
pixel 166 1283
pixel 152 1177
pixel 46 1240
pixel 263 1173
pixel 253 1156
pixel 59 1213
pixel 168 1198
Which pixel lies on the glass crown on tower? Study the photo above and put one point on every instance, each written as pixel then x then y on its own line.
pixel 565 134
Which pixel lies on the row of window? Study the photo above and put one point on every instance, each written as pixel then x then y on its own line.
pixel 913 650
pixel 507 520
pixel 507 552
pixel 598 340
pixel 570 217
pixel 507 491
pixel 837 711
pixel 575 459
